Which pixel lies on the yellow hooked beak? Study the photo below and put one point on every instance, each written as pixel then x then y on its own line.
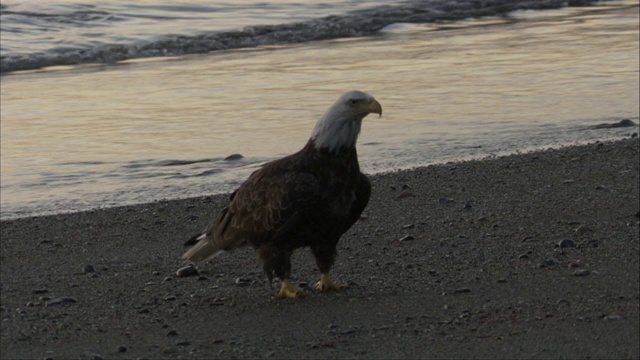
pixel 371 107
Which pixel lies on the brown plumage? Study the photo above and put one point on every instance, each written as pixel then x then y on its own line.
pixel 307 199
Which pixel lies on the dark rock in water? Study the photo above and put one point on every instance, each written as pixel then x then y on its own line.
pixel 234 157
pixel 59 301
pixel 579 3
pixel 619 124
pixel 187 271
pixel 567 243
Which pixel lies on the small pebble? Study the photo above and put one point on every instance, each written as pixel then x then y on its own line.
pixel 348 332
pixel 240 281
pixel 172 333
pixel 62 300
pixel 183 343
pixel 406 238
pixel 567 243
pixel 89 269
pixel 582 229
pixel 405 194
pixel 575 264
pixel 122 349
pixel 189 270
pixel 445 200
pixel 548 262
pixel 612 317
pixel 581 272
pixel 217 301
pixel 40 291
pixel 462 291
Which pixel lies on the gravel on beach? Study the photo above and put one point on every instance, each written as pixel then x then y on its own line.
pixel 531 255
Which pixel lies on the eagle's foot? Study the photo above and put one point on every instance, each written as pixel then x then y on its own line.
pixel 326 284
pixel 289 291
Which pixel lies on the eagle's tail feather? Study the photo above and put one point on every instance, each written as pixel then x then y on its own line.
pixel 193 240
pixel 203 250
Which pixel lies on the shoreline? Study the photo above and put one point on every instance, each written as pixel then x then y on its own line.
pixel 463 159
pixel 450 260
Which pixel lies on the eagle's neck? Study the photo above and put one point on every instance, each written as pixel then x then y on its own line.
pixel 333 134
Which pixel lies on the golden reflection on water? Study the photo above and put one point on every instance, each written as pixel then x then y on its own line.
pixel 473 77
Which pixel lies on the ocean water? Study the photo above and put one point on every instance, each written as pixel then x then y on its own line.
pixel 148 99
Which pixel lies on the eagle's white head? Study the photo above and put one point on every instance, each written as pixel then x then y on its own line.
pixel 340 125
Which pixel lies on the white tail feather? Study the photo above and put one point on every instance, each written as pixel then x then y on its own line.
pixel 203 250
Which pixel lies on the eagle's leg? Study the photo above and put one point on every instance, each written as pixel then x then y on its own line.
pixel 324 260
pixel 287 290
pixel 326 283
pixel 279 262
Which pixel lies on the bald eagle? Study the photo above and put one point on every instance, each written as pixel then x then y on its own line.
pixel 307 199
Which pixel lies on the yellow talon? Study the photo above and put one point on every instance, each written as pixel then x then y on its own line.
pixel 326 283
pixel 289 291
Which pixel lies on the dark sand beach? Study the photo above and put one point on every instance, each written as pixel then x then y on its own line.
pixel 459 260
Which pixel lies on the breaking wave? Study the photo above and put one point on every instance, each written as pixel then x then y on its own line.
pixel 362 22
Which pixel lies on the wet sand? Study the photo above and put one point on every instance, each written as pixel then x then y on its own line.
pixel 459 260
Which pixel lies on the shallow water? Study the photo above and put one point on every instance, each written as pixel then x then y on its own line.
pixel 90 136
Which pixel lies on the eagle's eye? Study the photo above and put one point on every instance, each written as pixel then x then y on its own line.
pixel 352 101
